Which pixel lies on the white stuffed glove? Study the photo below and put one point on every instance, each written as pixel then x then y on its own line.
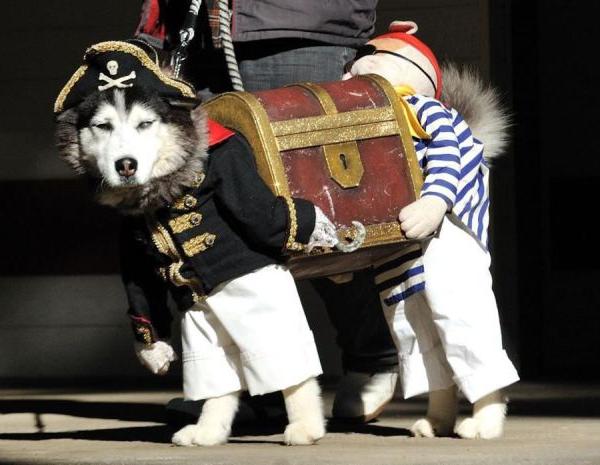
pixel 156 357
pixel 324 233
pixel 422 217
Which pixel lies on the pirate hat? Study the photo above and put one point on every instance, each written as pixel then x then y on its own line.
pixel 120 65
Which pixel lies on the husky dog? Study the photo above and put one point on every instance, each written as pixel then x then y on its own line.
pixel 123 122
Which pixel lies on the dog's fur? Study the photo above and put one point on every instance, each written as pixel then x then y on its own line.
pixel 479 104
pixel 169 144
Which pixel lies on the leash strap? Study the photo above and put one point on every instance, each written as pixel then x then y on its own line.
pixel 186 35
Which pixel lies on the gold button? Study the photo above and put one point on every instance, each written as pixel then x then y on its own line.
pixel 209 240
pixel 195 219
pixel 189 201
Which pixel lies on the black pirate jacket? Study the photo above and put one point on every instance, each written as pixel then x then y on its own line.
pixel 227 226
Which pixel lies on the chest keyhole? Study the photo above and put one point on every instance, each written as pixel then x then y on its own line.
pixel 344 161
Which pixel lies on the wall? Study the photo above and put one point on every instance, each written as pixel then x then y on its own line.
pixel 61 316
pixel 558 164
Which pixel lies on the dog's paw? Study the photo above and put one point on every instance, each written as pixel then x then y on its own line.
pixel 431 428
pixel 475 428
pixel 200 435
pixel 303 434
pixel 488 423
pixel 185 436
pixel 422 428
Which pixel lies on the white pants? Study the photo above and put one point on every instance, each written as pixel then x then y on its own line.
pixel 250 333
pixel 450 333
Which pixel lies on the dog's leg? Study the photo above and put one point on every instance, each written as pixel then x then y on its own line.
pixel 441 414
pixel 487 421
pixel 305 413
pixel 214 424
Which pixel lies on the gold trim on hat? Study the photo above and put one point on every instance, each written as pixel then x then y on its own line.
pixel 116 46
pixel 62 96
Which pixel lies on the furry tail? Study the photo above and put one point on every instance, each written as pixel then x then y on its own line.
pixel 480 106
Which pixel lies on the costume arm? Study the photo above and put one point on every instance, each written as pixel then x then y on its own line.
pixel 442 156
pixel 146 291
pixel 276 223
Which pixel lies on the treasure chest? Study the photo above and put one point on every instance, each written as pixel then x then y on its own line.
pixel 344 145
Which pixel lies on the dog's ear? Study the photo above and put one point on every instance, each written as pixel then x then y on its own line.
pixel 67 139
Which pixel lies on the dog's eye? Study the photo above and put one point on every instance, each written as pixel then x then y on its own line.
pixel 104 126
pixel 145 124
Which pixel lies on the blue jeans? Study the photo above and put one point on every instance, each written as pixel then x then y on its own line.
pixel 270 64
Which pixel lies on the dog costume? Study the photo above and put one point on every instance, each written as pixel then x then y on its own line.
pixel 437 296
pixel 217 249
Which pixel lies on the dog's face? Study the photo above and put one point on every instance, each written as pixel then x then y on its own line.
pixel 129 139
pixel 142 150
pixel 124 142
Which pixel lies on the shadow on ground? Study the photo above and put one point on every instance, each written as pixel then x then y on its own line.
pixel 103 410
pixel 257 417
pixel 155 434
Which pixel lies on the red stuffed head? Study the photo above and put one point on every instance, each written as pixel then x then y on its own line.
pixel 401 58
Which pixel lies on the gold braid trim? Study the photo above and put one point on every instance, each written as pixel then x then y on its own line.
pixel 185 203
pixel 291 243
pixel 60 100
pixel 146 334
pixel 184 222
pixel 188 201
pixel 164 243
pixel 161 238
pixel 198 244
pixel 116 46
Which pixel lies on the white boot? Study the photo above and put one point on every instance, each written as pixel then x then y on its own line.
pixel 488 418
pixel 441 414
pixel 363 396
pixel 305 413
pixel 214 424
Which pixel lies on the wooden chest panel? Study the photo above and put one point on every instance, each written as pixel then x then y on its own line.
pixel 344 145
pixel 385 185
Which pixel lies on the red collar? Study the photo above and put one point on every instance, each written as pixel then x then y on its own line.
pixel 217 133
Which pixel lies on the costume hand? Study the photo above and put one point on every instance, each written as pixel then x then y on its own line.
pixel 156 357
pixel 423 216
pixel 324 233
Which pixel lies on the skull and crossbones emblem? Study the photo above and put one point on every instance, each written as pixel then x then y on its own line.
pixel 113 67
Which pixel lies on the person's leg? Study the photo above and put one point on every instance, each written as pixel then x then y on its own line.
pixel 362 332
pixel 369 357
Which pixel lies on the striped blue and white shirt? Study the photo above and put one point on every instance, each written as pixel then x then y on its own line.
pixel 455 170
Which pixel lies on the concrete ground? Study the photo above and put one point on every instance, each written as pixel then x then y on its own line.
pixel 548 424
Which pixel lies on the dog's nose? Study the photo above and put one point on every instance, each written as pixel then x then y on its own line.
pixel 126 167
